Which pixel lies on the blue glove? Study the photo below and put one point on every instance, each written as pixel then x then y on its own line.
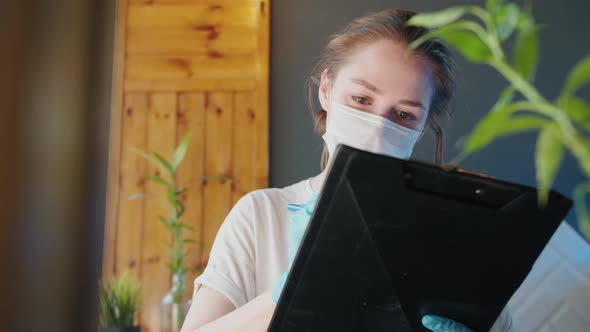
pixel 297 226
pixel 441 324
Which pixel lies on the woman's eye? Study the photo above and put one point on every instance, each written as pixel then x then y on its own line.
pixel 361 100
pixel 405 115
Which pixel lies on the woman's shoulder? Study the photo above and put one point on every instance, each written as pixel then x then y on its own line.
pixel 260 209
pixel 299 192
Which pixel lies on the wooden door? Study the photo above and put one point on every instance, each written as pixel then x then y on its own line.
pixel 180 66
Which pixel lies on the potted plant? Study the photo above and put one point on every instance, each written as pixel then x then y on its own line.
pixel 174 304
pixel 563 124
pixel 118 300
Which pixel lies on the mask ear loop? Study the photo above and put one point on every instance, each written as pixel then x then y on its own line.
pixel 321 130
pixel 330 95
pixel 323 114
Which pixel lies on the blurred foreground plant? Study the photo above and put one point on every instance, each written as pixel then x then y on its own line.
pixel 563 123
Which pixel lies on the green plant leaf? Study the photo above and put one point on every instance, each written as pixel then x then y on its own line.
pixel 180 191
pixel 580 147
pixel 494 5
pixel 189 241
pixel 526 47
pixel 150 159
pixel 487 129
pixel 468 37
pixel 176 255
pixel 579 197
pixel 521 123
pixel 118 300
pixel 164 221
pixel 482 14
pixel 498 122
pixel 171 196
pixel 548 157
pixel 577 109
pixel 506 19
pixel 467 43
pixel 180 152
pixel 577 77
pixel 506 96
pixel 164 163
pixel 439 18
pixel 180 208
pixel 135 196
pixel 170 267
pixel 182 225
pixel 158 179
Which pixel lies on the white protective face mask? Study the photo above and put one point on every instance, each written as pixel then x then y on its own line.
pixel 369 132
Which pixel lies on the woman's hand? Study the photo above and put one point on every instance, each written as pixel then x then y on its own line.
pixel 297 226
pixel 441 324
pixel 504 323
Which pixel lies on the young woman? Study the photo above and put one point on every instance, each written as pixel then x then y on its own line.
pixel 374 96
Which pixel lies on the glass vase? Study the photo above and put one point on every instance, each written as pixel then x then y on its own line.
pixel 174 305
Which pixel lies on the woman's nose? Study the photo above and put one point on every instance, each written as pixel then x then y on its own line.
pixel 385 113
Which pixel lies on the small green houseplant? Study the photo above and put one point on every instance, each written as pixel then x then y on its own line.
pixel 174 304
pixel 118 301
pixel 563 124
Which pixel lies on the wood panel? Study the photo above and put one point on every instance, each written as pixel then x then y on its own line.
pixel 218 163
pixel 132 178
pixel 190 117
pixel 193 15
pixel 183 85
pixel 206 41
pixel 244 144
pixel 112 199
pixel 189 2
pixel 262 117
pixel 194 68
pixel 156 278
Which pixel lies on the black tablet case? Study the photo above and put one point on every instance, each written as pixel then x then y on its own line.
pixel 391 240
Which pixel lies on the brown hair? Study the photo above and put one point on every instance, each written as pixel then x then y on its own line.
pixel 389 24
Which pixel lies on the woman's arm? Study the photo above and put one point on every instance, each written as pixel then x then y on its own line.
pixel 213 311
pixel 505 322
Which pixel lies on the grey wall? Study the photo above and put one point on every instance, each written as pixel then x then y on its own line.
pixel 300 29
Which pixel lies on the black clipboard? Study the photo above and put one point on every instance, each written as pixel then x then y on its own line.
pixel 391 240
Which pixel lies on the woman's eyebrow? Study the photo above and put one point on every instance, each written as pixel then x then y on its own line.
pixel 379 92
pixel 367 85
pixel 412 103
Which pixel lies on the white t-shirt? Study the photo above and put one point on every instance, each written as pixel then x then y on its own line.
pixel 250 249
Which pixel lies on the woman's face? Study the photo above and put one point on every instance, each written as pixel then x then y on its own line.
pixel 381 79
